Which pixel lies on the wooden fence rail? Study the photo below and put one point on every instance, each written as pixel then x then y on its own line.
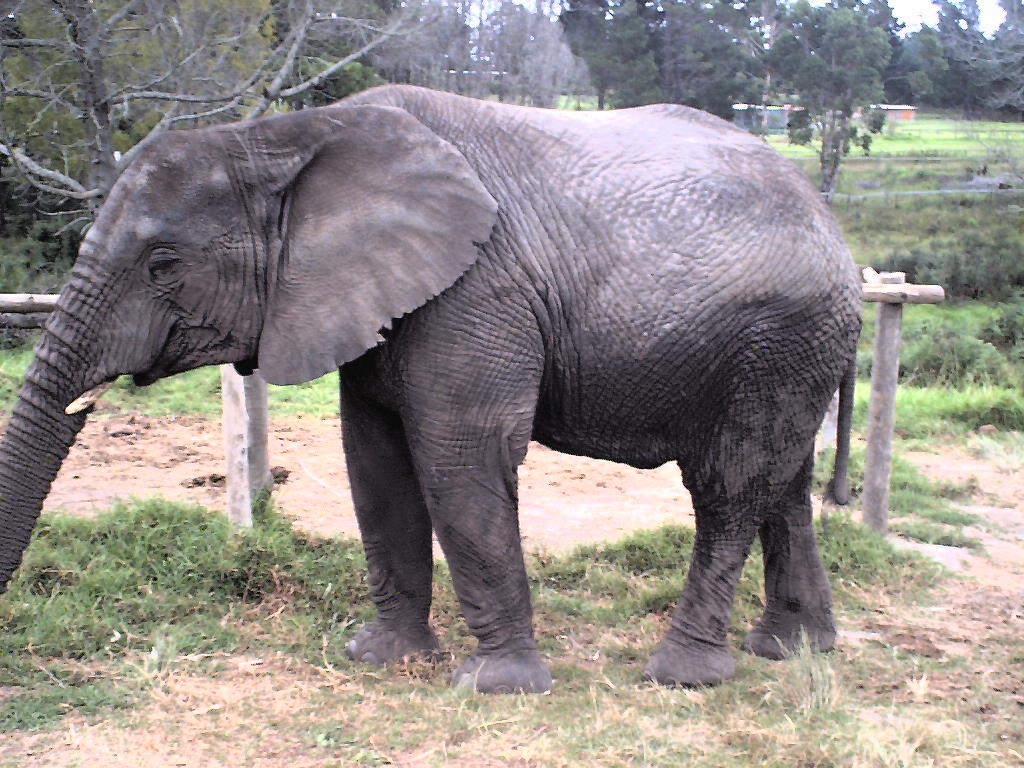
pixel 25 310
pixel 245 398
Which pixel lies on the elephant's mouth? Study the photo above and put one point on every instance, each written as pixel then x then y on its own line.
pixel 158 369
pixel 147 377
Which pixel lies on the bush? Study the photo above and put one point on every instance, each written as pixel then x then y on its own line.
pixel 955 345
pixel 979 262
pixel 973 245
pixel 37 262
pixel 941 355
pixel 1006 331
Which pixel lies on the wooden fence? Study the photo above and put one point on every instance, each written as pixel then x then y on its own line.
pixel 245 419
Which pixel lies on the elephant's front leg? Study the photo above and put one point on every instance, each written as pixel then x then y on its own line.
pixel 469 481
pixel 395 528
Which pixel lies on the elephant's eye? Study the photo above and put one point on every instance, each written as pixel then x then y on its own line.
pixel 163 264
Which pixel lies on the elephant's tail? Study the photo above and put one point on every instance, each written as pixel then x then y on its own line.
pixel 838 491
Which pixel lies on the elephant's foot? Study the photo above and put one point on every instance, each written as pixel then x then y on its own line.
pixel 514 672
pixel 690 666
pixel 777 637
pixel 378 643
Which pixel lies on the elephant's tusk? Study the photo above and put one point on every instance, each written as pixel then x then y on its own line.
pixel 88 399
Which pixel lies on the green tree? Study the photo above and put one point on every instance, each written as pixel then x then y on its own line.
pixel 919 73
pixel 617 40
pixel 709 56
pixel 832 58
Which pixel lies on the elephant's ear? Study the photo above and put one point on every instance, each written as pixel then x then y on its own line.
pixel 378 215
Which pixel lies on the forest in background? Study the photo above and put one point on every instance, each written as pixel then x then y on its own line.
pixel 82 82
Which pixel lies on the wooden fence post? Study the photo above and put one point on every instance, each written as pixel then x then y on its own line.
pixel 885 370
pixel 260 478
pixel 236 446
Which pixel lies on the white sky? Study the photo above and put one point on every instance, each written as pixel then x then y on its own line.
pixel 914 13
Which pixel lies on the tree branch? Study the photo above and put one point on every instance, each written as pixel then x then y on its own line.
pixel 34 171
pixel 314 81
pixel 34 43
pixel 183 98
pixel 273 91
pixel 121 14
pixel 49 96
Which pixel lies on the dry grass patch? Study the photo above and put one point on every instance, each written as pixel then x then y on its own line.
pixel 238 711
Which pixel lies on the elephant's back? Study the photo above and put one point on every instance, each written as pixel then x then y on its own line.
pixel 662 193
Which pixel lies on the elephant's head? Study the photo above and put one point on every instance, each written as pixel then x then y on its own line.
pixel 285 243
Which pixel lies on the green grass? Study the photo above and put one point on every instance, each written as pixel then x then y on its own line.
pixel 934 533
pixel 600 611
pixel 927 136
pixel 927 412
pixel 197 393
pixel 43 704
pixel 150 583
pixel 920 508
pixel 154 571
pixel 832 709
pixel 577 102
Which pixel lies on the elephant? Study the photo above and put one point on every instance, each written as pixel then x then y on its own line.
pixel 643 285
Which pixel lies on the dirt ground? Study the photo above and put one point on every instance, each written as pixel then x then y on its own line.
pixel 564 499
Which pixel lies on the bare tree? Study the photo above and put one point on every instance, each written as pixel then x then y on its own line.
pixel 526 53
pixel 497 48
pixel 993 64
pixel 550 68
pixel 439 53
pixel 83 81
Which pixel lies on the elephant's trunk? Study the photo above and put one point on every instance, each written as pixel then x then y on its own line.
pixel 39 433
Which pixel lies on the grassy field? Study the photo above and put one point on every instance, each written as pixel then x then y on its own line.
pixel 928 136
pixel 196 393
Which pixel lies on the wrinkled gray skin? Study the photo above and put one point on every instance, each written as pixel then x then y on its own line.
pixel 647 285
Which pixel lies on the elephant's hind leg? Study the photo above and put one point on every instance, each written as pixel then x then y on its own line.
pixel 395 529
pixel 695 649
pixel 799 598
pixel 737 481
